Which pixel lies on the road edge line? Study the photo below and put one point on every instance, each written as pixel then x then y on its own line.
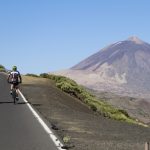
pixel 56 141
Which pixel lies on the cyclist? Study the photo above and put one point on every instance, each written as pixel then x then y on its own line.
pixel 14 78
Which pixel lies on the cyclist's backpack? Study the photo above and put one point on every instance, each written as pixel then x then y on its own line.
pixel 14 76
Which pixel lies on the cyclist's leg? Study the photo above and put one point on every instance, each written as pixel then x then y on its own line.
pixel 17 91
pixel 17 88
pixel 11 88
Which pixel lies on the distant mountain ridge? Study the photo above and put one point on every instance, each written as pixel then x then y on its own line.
pixel 122 68
pixel 112 52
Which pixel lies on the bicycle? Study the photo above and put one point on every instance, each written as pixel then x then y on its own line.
pixel 14 92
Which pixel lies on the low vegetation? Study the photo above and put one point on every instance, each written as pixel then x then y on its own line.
pixel 71 87
pixel 2 68
pixel 66 139
pixel 32 75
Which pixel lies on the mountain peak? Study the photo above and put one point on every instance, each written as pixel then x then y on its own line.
pixel 135 39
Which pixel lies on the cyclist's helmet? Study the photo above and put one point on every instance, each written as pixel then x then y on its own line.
pixel 14 68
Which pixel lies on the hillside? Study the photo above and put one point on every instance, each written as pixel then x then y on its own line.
pixel 136 107
pixel 123 69
pixel 77 124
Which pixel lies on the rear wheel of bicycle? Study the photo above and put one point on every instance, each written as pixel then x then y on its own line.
pixel 14 95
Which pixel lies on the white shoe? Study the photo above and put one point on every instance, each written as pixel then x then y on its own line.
pixel 11 92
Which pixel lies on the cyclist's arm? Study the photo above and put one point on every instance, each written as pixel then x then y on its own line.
pixel 20 78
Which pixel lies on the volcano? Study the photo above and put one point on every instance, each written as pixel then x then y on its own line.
pixel 122 68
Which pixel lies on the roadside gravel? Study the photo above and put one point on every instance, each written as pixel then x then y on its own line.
pixel 77 124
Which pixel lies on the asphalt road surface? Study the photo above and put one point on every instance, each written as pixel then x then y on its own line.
pixel 19 129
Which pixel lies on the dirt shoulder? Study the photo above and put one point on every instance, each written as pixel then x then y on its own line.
pixel 82 128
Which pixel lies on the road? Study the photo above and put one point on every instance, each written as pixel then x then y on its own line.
pixel 19 129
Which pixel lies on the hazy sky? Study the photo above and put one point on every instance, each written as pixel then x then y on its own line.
pixel 48 35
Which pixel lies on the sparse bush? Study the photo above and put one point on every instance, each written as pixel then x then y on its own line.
pixel 2 68
pixel 93 107
pixel 44 75
pixel 66 139
pixel 31 75
pixel 124 112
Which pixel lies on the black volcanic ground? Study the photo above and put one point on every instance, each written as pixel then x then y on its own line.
pixel 70 118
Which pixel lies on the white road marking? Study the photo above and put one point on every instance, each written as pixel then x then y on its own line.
pixel 46 128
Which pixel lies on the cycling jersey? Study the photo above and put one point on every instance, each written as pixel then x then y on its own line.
pixel 14 77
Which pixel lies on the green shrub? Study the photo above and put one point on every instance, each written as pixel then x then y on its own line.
pixel 2 68
pixel 124 112
pixel 44 75
pixel 31 75
pixel 93 107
